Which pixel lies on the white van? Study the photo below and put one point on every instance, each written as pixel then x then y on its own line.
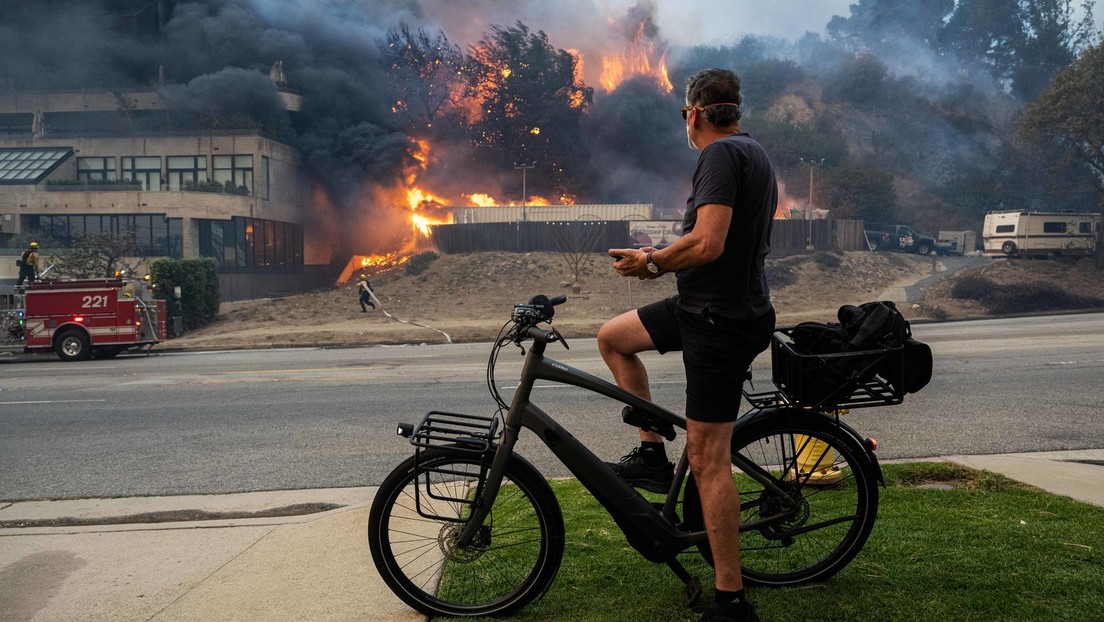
pixel 1040 233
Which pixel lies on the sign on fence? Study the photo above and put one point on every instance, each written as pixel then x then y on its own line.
pixel 656 233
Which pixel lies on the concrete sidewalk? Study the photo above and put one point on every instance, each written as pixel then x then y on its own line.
pixel 312 567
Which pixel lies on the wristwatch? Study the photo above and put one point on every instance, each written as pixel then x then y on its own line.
pixel 654 269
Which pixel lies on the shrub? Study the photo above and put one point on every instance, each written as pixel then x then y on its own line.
pixel 780 275
pixel 1019 298
pixel 420 262
pixel 973 287
pixel 199 288
pixel 831 261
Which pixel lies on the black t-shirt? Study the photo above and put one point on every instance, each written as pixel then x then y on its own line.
pixel 733 171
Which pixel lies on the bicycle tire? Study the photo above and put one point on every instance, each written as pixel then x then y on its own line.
pixel 513 561
pixel 833 519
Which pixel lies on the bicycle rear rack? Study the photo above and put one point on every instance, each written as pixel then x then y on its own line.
pixel 469 434
pixel 464 432
pixel 839 379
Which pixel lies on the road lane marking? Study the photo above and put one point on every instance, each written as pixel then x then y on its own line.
pixel 49 402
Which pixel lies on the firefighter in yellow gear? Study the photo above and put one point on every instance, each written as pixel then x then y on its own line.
pixel 28 265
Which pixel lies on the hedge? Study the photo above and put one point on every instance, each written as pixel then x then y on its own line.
pixel 199 288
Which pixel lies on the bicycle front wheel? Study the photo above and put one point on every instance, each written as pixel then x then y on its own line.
pixel 821 508
pixel 422 507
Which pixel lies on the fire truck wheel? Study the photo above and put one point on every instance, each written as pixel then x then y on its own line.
pixel 72 345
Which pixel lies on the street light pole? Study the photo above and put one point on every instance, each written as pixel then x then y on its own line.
pixel 809 206
pixel 524 195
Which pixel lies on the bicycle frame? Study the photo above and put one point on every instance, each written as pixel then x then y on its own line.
pixel 649 530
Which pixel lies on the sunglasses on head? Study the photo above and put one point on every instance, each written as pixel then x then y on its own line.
pixel 685 110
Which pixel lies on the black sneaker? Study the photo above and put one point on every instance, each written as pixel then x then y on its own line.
pixel 634 470
pixel 713 614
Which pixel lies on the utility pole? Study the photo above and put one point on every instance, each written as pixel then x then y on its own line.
pixel 809 206
pixel 524 195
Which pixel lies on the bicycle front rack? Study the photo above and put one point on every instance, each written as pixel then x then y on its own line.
pixel 470 434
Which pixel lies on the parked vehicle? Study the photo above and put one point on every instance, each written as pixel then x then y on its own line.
pixel 1040 234
pixel 900 238
pixel 81 318
pixel 956 242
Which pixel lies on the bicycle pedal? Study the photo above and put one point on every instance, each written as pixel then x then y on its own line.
pixel 642 420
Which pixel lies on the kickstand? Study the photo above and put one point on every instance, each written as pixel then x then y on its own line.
pixel 691 590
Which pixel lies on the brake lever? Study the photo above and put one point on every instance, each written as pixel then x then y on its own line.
pixel 560 338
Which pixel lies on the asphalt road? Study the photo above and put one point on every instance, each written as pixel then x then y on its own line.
pixel 216 422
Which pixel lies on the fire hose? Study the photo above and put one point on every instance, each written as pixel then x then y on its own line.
pixel 379 306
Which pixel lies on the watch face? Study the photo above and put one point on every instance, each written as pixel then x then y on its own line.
pixel 652 268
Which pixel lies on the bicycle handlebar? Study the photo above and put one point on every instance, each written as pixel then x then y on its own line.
pixel 539 334
pixel 540 309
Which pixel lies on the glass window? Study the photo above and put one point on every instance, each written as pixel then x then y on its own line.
pixel 30 166
pixel 235 169
pixel 96 169
pixel 1054 227
pixel 76 227
pixel 1084 227
pixel 176 238
pixel 239 243
pixel 143 234
pixel 192 169
pixel 144 169
pixel 1006 228
pixel 262 190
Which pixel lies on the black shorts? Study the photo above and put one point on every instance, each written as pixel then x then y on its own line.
pixel 716 353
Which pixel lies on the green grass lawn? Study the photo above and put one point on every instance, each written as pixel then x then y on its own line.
pixel 987 549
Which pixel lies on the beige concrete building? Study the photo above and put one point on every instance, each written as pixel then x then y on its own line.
pixel 72 163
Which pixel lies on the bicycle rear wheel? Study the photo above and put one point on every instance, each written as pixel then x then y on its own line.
pixel 421 509
pixel 827 508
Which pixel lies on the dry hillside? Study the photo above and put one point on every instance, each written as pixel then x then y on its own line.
pixel 468 297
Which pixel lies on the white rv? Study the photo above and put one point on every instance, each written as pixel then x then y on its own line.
pixel 1040 233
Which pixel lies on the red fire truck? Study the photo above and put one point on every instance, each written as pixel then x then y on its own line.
pixel 80 318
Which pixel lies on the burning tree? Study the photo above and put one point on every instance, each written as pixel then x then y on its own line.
pixel 530 105
pixel 426 71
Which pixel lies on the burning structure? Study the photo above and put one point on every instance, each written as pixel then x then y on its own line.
pixel 269 138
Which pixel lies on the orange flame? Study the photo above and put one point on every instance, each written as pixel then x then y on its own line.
pixel 643 57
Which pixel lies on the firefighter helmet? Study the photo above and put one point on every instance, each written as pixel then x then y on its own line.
pixel 362 277
pixel 34 245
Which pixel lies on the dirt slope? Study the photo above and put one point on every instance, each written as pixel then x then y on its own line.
pixel 468 297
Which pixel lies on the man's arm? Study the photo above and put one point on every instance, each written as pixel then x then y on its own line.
pixel 703 244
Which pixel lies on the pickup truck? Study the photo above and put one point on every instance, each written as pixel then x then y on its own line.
pixel 900 238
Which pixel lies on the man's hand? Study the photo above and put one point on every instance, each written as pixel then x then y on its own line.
pixel 632 262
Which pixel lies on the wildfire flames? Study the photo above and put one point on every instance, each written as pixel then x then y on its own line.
pixel 642 55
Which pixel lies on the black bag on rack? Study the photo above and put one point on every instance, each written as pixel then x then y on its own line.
pixel 869 326
pixel 872 325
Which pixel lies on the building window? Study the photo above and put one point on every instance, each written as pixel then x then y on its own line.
pixel 1006 228
pixel 96 169
pixel 262 191
pixel 244 243
pixel 1054 227
pixel 192 169
pixel 153 235
pixel 1084 227
pixel 144 169
pixel 235 169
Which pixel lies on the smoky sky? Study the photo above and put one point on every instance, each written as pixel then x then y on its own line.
pixel 215 56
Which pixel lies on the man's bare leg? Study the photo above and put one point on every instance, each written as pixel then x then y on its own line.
pixel 710 453
pixel 619 341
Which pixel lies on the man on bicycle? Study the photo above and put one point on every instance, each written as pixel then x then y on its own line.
pixel 721 318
